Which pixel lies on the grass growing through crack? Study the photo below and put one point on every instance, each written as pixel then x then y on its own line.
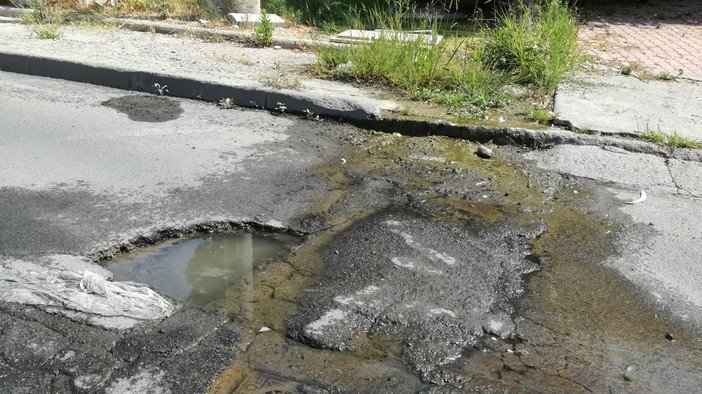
pixel 529 47
pixel 540 115
pixel 674 140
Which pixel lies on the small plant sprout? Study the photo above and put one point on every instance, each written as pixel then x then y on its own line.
pixel 280 107
pixel 226 103
pixel 626 69
pixel 310 115
pixel 666 76
pixel 406 111
pixel 263 32
pixel 541 115
pixel 160 89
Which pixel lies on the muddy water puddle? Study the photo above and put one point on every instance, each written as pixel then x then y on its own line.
pixel 199 270
pixel 579 326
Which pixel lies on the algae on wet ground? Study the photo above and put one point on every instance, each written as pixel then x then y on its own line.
pixel 579 323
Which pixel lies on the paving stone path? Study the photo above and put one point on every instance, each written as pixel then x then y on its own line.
pixel 659 37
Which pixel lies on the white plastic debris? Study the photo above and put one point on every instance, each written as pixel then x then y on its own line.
pixel 264 329
pixel 85 295
pixel 93 283
pixel 642 197
pixel 344 67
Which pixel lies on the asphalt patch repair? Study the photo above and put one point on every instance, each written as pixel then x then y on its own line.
pixel 146 108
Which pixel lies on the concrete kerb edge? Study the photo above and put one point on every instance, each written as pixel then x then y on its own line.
pixel 11 12
pixel 268 99
pixel 204 32
pixel 143 81
pixel 538 139
pixel 166 28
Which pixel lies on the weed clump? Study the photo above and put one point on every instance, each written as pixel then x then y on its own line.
pixel 44 20
pixel 468 74
pixel 263 32
pixel 534 45
pixel 674 140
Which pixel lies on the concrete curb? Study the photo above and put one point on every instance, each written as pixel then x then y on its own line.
pixel 178 86
pixel 207 32
pixel 172 28
pixel 298 102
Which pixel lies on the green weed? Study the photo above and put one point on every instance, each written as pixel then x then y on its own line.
pixel 541 143
pixel 584 130
pixel 226 103
pixel 162 8
pixel 541 115
pixel 674 140
pixel 44 20
pixel 655 136
pixel 534 45
pixel 263 32
pixel 466 73
pixel 677 141
pixel 665 76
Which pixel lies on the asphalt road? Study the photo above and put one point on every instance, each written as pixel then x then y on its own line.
pixel 424 267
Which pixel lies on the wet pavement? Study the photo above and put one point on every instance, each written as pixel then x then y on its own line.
pixel 422 267
pixel 642 71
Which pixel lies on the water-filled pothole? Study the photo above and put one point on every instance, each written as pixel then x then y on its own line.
pixel 199 270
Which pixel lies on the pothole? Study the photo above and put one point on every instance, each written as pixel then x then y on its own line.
pixel 200 269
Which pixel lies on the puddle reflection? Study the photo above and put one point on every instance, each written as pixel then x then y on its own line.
pixel 200 270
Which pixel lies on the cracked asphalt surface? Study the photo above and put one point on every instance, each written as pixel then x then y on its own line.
pixel 424 268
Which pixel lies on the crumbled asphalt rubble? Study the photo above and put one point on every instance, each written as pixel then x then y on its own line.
pixel 41 352
pixel 435 287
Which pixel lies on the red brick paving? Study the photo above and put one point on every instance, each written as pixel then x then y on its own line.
pixel 661 37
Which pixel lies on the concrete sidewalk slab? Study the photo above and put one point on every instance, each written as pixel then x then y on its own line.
pixel 238 18
pixel 191 68
pixel 624 104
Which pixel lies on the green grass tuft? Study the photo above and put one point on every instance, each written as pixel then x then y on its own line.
pixel 467 73
pixel 674 140
pixel 534 45
pixel 44 20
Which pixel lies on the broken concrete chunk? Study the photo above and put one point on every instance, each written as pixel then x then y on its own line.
pixel 238 18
